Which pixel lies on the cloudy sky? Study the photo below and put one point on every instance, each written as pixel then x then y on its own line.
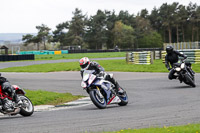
pixel 22 16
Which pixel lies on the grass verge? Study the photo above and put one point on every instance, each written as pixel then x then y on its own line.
pixel 40 97
pixel 80 55
pixel 109 65
pixel 190 128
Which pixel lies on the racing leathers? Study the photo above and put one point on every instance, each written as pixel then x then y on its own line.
pixel 6 87
pixel 99 71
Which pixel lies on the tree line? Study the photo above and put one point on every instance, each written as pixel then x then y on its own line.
pixel 106 30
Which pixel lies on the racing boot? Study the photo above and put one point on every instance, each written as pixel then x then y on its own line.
pixel 16 98
pixel 117 87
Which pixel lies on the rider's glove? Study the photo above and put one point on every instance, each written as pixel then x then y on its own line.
pixel 101 74
pixel 185 57
pixel 169 68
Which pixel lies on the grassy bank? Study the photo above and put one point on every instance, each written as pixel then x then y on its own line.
pixel 80 55
pixel 190 128
pixel 41 97
pixel 109 65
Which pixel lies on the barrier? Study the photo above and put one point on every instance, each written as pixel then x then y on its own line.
pixel 157 54
pixel 43 52
pixel 64 51
pixel 192 54
pixel 57 52
pixel 145 57
pixel 17 57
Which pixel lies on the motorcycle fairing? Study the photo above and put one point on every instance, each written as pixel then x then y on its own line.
pixel 19 90
pixel 2 95
pixel 99 83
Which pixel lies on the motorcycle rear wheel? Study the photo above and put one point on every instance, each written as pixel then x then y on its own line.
pixel 97 100
pixel 27 107
pixel 123 98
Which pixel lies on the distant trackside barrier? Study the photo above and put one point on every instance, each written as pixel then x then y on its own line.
pixel 145 57
pixel 43 52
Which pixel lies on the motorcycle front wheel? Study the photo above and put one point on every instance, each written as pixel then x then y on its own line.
pixel 190 81
pixel 98 101
pixel 27 108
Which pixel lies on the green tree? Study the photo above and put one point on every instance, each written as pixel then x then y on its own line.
pixel 151 40
pixel 111 18
pixel 144 13
pixel 123 35
pixel 59 35
pixel 143 27
pixel 28 38
pixel 167 13
pixel 43 34
pixel 183 14
pixel 96 31
pixel 76 29
pixel 193 18
pixel 198 23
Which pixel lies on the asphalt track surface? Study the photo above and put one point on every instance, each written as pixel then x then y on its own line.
pixel 153 101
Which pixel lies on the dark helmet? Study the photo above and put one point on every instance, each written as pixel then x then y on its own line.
pixel 169 49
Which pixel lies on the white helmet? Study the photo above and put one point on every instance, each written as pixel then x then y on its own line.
pixel 84 63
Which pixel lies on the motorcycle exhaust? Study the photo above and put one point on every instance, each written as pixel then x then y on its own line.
pixel 17 110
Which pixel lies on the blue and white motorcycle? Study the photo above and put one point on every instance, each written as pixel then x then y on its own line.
pixel 102 92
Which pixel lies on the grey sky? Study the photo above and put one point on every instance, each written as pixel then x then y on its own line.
pixel 22 16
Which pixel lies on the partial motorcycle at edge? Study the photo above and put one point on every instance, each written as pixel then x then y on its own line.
pixel 9 107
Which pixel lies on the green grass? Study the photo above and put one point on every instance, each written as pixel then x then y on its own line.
pixel 69 66
pixel 41 97
pixel 80 55
pixel 190 128
pixel 109 65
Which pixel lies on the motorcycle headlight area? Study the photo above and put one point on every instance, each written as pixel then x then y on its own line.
pixel 83 84
pixel 177 68
pixel 91 79
pixel 182 65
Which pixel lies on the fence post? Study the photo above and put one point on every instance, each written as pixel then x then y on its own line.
pixel 127 57
pixel 151 56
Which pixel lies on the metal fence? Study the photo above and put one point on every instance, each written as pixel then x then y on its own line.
pixel 145 57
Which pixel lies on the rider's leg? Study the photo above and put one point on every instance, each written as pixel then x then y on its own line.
pixel 171 74
pixel 11 91
pixel 110 78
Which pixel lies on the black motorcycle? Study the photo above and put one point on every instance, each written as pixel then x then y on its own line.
pixel 184 73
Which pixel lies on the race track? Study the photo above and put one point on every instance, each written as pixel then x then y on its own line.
pixel 153 101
